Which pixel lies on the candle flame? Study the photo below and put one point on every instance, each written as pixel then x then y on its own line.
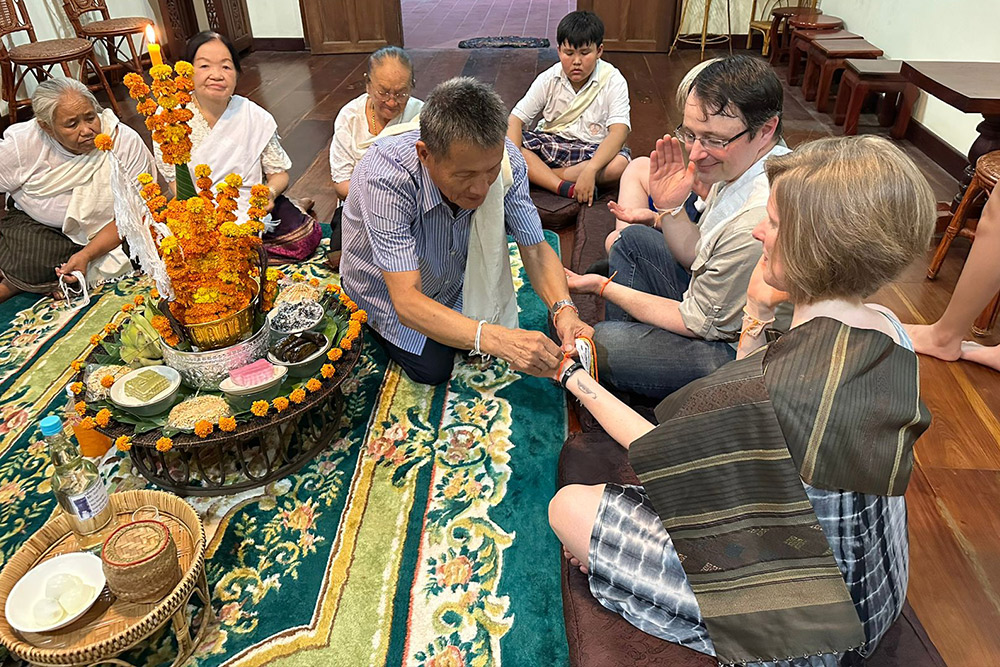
pixel 150 34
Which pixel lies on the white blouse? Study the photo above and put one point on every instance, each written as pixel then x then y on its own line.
pixel 274 159
pixel 26 151
pixel 351 129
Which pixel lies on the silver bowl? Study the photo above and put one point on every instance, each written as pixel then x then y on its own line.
pixel 205 370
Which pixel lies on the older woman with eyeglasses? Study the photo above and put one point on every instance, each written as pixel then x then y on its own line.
pixel 386 103
pixel 233 135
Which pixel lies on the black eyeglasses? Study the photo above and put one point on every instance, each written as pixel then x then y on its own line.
pixel 688 138
pixel 384 95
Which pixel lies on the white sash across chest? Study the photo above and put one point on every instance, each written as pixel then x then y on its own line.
pixel 235 145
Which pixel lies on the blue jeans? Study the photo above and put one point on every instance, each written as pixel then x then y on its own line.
pixel 640 358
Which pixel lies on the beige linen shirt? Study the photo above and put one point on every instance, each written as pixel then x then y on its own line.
pixel 712 306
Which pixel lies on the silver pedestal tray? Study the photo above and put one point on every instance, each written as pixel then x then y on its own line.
pixel 205 370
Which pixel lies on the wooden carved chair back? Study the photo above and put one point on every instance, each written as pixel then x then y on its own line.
pixel 77 8
pixel 14 18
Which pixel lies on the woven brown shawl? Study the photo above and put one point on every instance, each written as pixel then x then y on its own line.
pixel 831 405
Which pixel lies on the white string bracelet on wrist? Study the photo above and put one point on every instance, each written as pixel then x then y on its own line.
pixel 752 326
pixel 479 333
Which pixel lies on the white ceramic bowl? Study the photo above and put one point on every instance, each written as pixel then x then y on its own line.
pixel 308 366
pixel 31 587
pixel 158 404
pixel 232 389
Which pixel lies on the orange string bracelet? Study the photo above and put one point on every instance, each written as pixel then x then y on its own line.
pixel 610 278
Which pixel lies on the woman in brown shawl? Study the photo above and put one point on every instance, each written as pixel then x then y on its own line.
pixel 770 527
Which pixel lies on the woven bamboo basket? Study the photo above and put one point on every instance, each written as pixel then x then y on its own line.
pixel 112 625
pixel 140 561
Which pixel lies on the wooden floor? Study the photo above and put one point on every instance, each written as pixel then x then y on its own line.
pixel 444 23
pixel 955 492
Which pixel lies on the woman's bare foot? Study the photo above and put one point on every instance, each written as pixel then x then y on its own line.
pixel 981 354
pixel 574 561
pixel 928 339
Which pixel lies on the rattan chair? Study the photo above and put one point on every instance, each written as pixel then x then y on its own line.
pixel 116 34
pixel 40 57
pixel 761 21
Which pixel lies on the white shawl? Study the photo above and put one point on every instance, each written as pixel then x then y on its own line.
pixel 91 205
pixel 488 292
pixel 580 103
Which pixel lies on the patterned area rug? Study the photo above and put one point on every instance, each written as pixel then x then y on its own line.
pixel 419 537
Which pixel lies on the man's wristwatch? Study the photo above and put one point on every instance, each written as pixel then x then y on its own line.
pixel 559 305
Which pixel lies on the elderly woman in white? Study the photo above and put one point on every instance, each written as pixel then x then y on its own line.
pixel 384 107
pixel 60 212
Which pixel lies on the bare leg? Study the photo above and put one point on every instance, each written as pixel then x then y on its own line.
pixel 979 282
pixel 539 173
pixel 7 290
pixel 572 512
pixel 612 172
pixel 982 354
pixel 633 193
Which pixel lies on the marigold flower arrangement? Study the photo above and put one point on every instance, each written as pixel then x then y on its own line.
pixel 213 262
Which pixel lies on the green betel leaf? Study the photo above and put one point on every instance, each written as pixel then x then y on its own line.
pixel 185 186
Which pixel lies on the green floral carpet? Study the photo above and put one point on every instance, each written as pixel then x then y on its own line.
pixel 418 537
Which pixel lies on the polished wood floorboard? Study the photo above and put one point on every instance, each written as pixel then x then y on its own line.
pixel 953 497
pixel 444 23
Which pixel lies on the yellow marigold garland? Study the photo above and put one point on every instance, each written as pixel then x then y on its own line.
pixel 260 408
pixel 280 404
pixel 227 424
pixel 123 443
pixel 164 445
pixel 103 417
pixel 313 385
pixel 203 428
pixel 297 396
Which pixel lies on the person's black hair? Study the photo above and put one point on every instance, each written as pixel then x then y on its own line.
pixel 580 28
pixel 205 37
pixel 742 83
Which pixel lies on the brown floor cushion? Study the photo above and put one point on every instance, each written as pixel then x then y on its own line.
pixel 556 212
pixel 592 228
pixel 600 638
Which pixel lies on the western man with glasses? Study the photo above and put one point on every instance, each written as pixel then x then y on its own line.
pixel 677 277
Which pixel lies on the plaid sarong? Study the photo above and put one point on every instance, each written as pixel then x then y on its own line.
pixel 557 152
pixel 636 572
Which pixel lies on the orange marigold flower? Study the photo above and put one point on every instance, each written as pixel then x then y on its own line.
pixel 348 342
pixel 333 289
pixel 280 404
pixel 297 396
pixel 203 428
pixel 164 444
pixel 260 190
pixel 154 294
pixel 359 316
pixel 139 300
pixel 234 181
pixel 183 68
pixel 147 107
pixel 103 142
pixel 334 353
pixel 128 308
pixel 314 385
pixel 87 423
pixel 76 387
pixel 77 365
pixel 103 417
pixel 81 408
pixel 260 408
pixel 161 72
pixel 314 282
pixel 123 443
pixel 144 179
pixel 132 79
pixel 95 339
pixel 202 171
pixel 227 424
pixel 327 371
pixel 110 328
pixel 107 381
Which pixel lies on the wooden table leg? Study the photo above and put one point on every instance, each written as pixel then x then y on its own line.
pixel 774 39
pixel 910 94
pixel 830 67
pixel 794 60
pixel 813 63
pixel 844 97
pixel 858 95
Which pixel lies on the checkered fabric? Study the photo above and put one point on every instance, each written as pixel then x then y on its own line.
pixel 557 152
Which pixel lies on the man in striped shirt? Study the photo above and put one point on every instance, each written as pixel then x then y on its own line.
pixel 406 239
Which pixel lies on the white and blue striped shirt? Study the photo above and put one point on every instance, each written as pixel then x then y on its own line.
pixel 395 219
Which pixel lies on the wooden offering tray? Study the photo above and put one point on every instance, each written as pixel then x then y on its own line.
pixel 113 626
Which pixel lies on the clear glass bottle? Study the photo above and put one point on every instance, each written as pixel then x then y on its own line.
pixel 78 487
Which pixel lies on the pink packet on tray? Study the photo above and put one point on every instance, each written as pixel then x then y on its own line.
pixel 253 374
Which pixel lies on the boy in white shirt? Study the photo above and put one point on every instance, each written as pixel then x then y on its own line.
pixel 579 141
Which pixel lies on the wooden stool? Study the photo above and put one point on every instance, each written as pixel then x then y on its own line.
pixel 815 21
pixel 826 58
pixel 777 34
pixel 862 77
pixel 983 181
pixel 801 39
pixel 703 38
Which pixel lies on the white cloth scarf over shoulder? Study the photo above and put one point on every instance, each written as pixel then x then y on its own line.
pixel 91 205
pixel 488 292
pixel 580 103
pixel 234 146
pixel 391 131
